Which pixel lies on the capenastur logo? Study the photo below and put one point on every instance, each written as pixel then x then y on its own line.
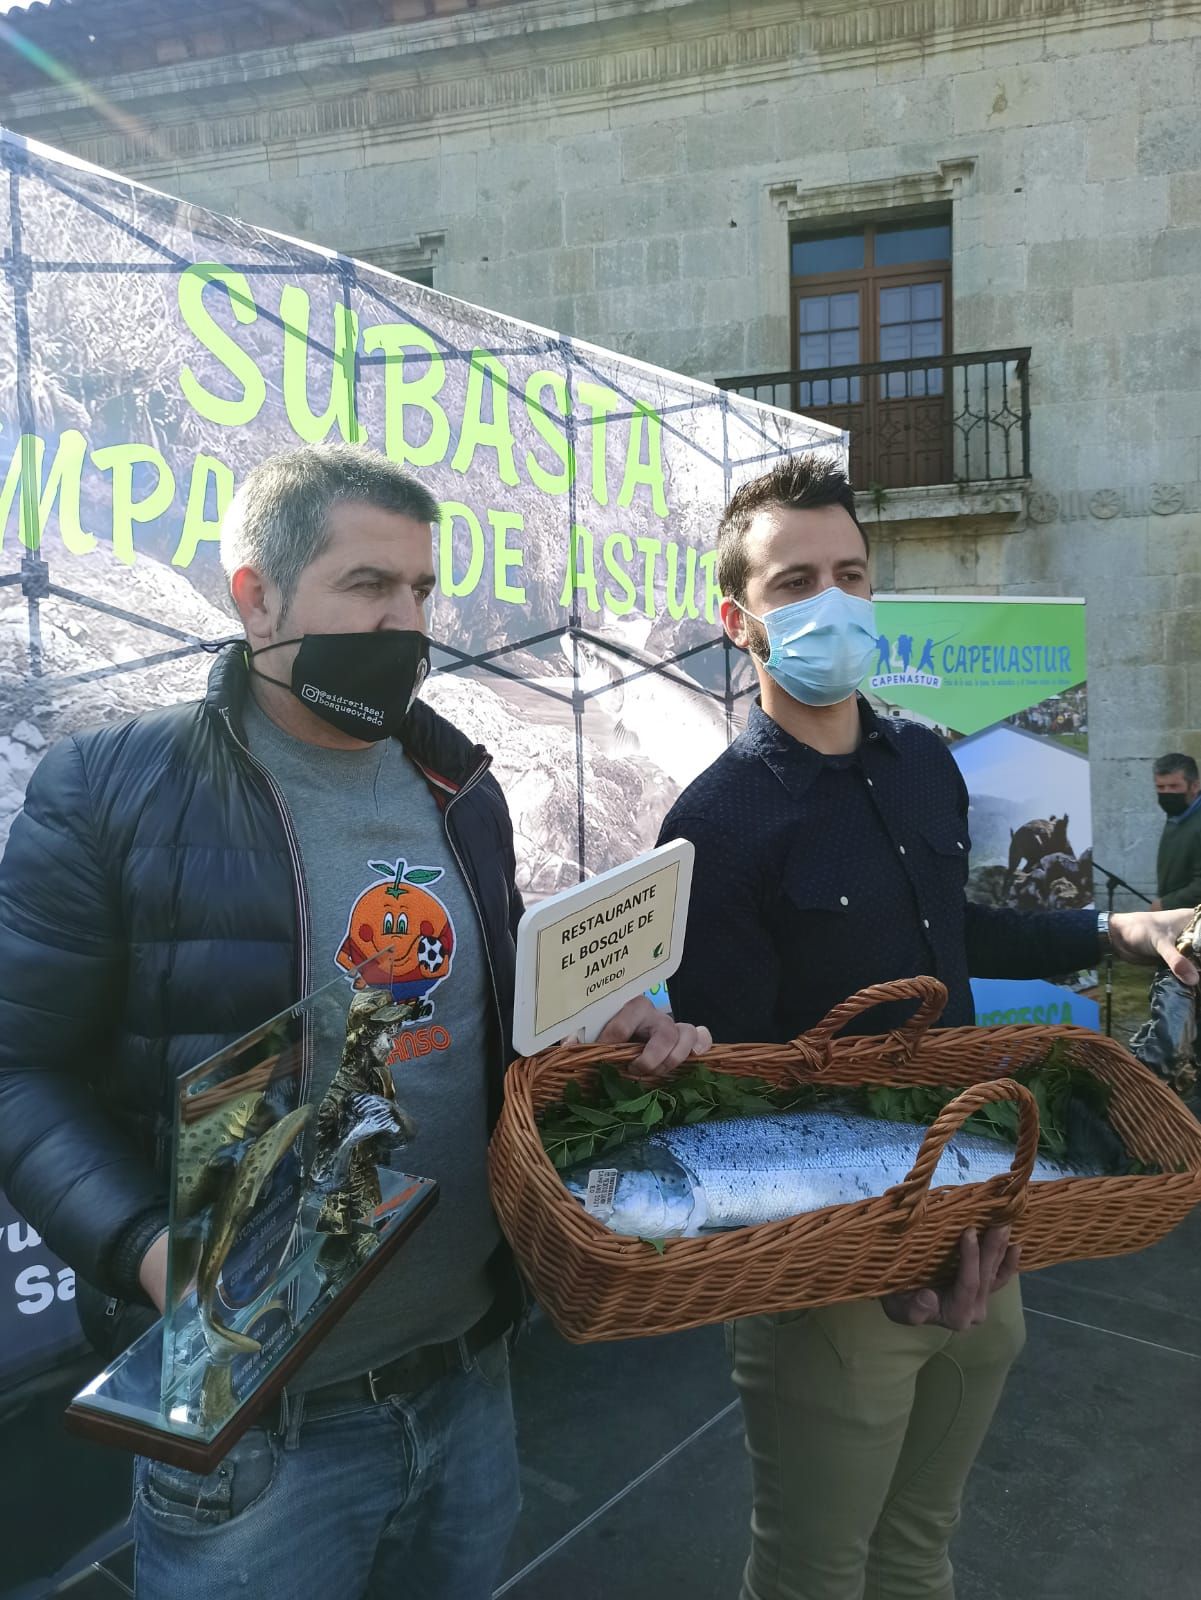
pixel 896 664
pixel 942 661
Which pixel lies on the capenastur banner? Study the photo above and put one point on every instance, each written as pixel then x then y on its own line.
pixel 1005 683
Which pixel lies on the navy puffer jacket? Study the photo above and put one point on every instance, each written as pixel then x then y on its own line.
pixel 151 912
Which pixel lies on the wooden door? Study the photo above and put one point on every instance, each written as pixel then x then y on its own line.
pixel 875 294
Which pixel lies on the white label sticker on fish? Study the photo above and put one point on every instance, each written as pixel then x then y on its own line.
pixel 602 1186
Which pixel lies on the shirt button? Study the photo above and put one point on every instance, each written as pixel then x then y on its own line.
pixel 901 848
pixel 925 922
pixel 870 784
pixel 959 843
pixel 843 901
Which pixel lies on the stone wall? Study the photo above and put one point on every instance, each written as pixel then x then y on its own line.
pixel 629 172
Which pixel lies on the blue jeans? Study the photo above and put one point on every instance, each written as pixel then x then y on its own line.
pixel 411 1499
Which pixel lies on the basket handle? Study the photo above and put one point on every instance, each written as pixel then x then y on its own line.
pixel 910 1196
pixel 929 992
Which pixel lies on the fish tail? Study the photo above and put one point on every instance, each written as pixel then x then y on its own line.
pixel 216 1334
pixel 625 739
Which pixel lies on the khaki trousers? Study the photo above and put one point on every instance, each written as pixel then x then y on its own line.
pixel 861 1434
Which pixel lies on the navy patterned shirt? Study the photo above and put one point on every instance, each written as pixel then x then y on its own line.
pixel 819 875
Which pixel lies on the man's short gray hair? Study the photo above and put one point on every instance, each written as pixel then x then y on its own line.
pixel 278 521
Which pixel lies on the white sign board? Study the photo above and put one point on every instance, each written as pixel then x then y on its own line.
pixel 583 953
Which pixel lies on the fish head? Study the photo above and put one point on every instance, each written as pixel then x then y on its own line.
pixel 594 671
pixel 653 1196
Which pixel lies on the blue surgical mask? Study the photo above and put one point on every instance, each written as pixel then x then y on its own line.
pixel 821 648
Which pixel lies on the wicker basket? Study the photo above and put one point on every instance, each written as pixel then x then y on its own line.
pixel 595 1284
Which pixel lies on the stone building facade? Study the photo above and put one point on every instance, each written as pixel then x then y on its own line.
pixel 733 188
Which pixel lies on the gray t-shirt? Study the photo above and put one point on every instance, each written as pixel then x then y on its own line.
pixel 365 820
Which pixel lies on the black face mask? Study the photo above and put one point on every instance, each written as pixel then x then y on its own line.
pixel 360 683
pixel 1174 804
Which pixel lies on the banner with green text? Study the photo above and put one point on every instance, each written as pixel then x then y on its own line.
pixel 1004 682
pixel 151 353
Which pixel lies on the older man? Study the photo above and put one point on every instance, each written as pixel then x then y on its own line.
pixel 174 881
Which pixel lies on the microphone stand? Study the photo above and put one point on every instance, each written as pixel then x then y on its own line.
pixel 1112 882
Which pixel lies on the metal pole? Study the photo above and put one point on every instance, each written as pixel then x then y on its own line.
pixel 1110 886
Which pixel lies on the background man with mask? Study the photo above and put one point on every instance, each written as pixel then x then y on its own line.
pixel 832 853
pixel 1178 867
pixel 175 881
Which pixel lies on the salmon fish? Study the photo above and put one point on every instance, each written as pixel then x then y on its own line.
pixel 738 1172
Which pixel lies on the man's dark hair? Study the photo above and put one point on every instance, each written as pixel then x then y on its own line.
pixel 1176 761
pixel 800 483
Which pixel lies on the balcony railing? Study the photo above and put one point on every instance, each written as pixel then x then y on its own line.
pixel 933 420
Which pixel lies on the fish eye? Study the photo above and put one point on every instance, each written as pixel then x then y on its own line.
pixel 387 922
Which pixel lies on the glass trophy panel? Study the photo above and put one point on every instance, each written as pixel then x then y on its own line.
pixel 288 1194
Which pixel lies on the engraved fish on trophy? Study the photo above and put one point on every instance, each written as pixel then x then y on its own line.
pixel 215 1120
pixel 252 1166
pixel 202 1141
pixel 360 1121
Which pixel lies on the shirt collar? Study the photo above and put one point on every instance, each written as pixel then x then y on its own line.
pixel 796 765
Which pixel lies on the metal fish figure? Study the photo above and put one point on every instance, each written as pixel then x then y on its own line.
pixel 742 1171
pixel 251 1169
pixel 360 1121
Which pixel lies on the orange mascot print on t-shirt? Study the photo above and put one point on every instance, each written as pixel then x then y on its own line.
pixel 401 931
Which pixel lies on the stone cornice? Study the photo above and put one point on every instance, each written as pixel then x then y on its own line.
pixel 828 202
pixel 481 68
pixel 313 59
pixel 837 31
pixel 519 76
pixel 996 507
pixel 832 25
pixel 423 249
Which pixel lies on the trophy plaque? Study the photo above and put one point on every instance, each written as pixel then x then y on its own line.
pixel 286 1199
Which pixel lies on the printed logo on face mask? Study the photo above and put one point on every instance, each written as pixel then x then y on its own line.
pixel 342 706
pixel 363 684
